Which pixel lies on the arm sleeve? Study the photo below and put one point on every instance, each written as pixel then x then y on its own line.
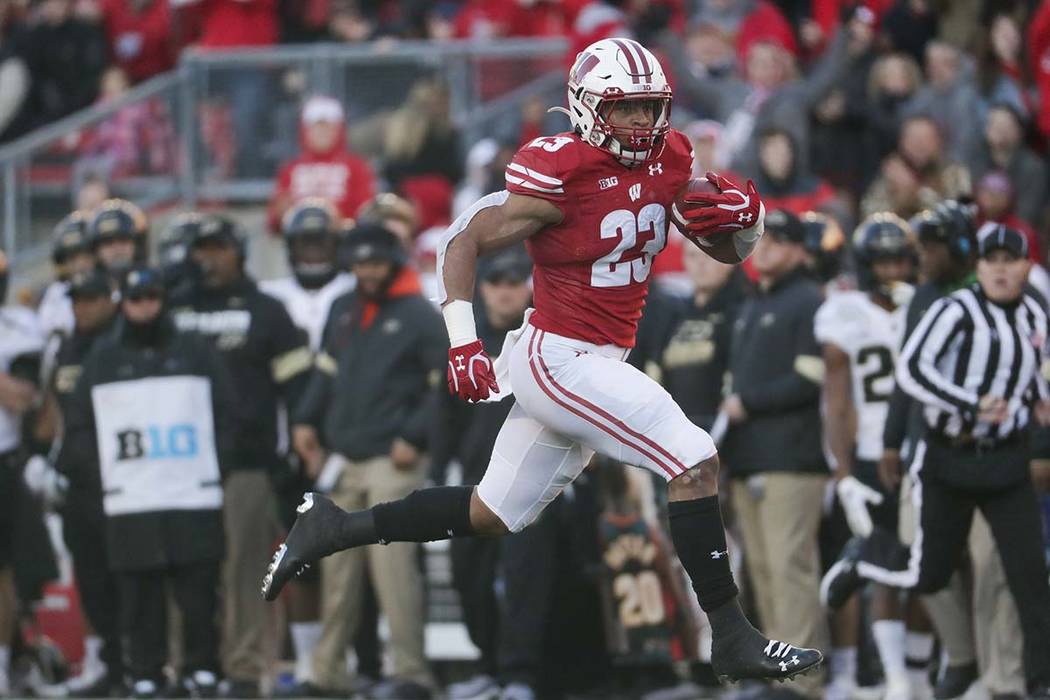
pixel 226 411
pixel 917 372
pixel 313 403
pixel 433 358
pixel 290 358
pixel 801 385
pixel 79 448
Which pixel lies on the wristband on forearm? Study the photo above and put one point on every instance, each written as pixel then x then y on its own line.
pixel 459 320
pixel 745 240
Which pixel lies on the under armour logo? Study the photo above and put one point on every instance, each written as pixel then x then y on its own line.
pixel 783 666
pixel 718 555
pixel 745 217
pixel 460 366
pixel 795 661
pixel 656 169
pixel 635 191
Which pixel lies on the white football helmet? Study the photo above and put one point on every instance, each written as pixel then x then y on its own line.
pixel 609 71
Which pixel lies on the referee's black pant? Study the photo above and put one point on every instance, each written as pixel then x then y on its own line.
pixel 949 481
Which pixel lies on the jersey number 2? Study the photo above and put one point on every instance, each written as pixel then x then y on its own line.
pixel 883 368
pixel 612 270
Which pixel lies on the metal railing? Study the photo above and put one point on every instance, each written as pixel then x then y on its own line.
pixel 217 127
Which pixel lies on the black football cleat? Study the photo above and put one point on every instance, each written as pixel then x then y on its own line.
pixel 315 534
pixel 842 579
pixel 750 656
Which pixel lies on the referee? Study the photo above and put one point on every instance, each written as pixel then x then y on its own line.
pixel 973 363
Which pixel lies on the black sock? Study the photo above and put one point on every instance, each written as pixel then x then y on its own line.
pixel 700 542
pixel 438 513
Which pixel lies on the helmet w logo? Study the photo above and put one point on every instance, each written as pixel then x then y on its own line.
pixel 585 63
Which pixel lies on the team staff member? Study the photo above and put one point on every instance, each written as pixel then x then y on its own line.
pixel 693 363
pixel 773 446
pixel 372 402
pixel 268 361
pixel 156 406
pixel 94 297
pixel 974 363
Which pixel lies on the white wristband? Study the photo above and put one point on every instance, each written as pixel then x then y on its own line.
pixel 459 320
pixel 745 240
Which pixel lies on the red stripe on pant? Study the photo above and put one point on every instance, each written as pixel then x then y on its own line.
pixel 606 415
pixel 534 349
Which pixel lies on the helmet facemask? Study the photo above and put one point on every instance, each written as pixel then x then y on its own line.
pixel 634 145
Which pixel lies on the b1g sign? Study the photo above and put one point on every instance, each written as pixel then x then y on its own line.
pixel 156 443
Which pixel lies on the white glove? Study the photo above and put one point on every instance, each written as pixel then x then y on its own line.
pixel 855 498
pixel 44 481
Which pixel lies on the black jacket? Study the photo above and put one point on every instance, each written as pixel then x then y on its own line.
pixel 81 468
pixel 378 376
pixel 776 368
pixel 265 352
pixel 156 538
pixel 695 356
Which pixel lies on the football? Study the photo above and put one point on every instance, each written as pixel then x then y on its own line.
pixel 694 186
pixel 719 246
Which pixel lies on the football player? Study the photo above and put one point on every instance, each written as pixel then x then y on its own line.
pixel 860 332
pixel 311 231
pixel 70 254
pixel 118 236
pixel 592 206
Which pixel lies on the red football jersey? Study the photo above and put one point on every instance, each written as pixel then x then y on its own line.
pixel 591 271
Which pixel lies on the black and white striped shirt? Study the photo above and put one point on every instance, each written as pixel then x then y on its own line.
pixel 965 347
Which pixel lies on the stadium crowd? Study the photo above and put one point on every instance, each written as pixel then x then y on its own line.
pixel 919 121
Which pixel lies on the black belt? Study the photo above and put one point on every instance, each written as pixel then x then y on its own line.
pixel 967 441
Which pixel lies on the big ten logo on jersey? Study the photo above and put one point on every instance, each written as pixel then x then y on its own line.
pixel 157 442
pixel 639 237
pixel 229 327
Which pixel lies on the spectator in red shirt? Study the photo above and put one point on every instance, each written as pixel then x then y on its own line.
pixel 1039 63
pixel 326 167
pixel 227 24
pixel 139 36
pixel 995 202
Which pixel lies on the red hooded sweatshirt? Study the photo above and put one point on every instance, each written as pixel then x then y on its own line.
pixel 336 175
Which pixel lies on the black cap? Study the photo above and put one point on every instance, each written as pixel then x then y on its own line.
pixel 93 283
pixel 368 242
pixel 993 236
pixel 511 265
pixel 785 226
pixel 141 280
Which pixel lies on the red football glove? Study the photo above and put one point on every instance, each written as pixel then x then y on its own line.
pixel 470 373
pixel 726 211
